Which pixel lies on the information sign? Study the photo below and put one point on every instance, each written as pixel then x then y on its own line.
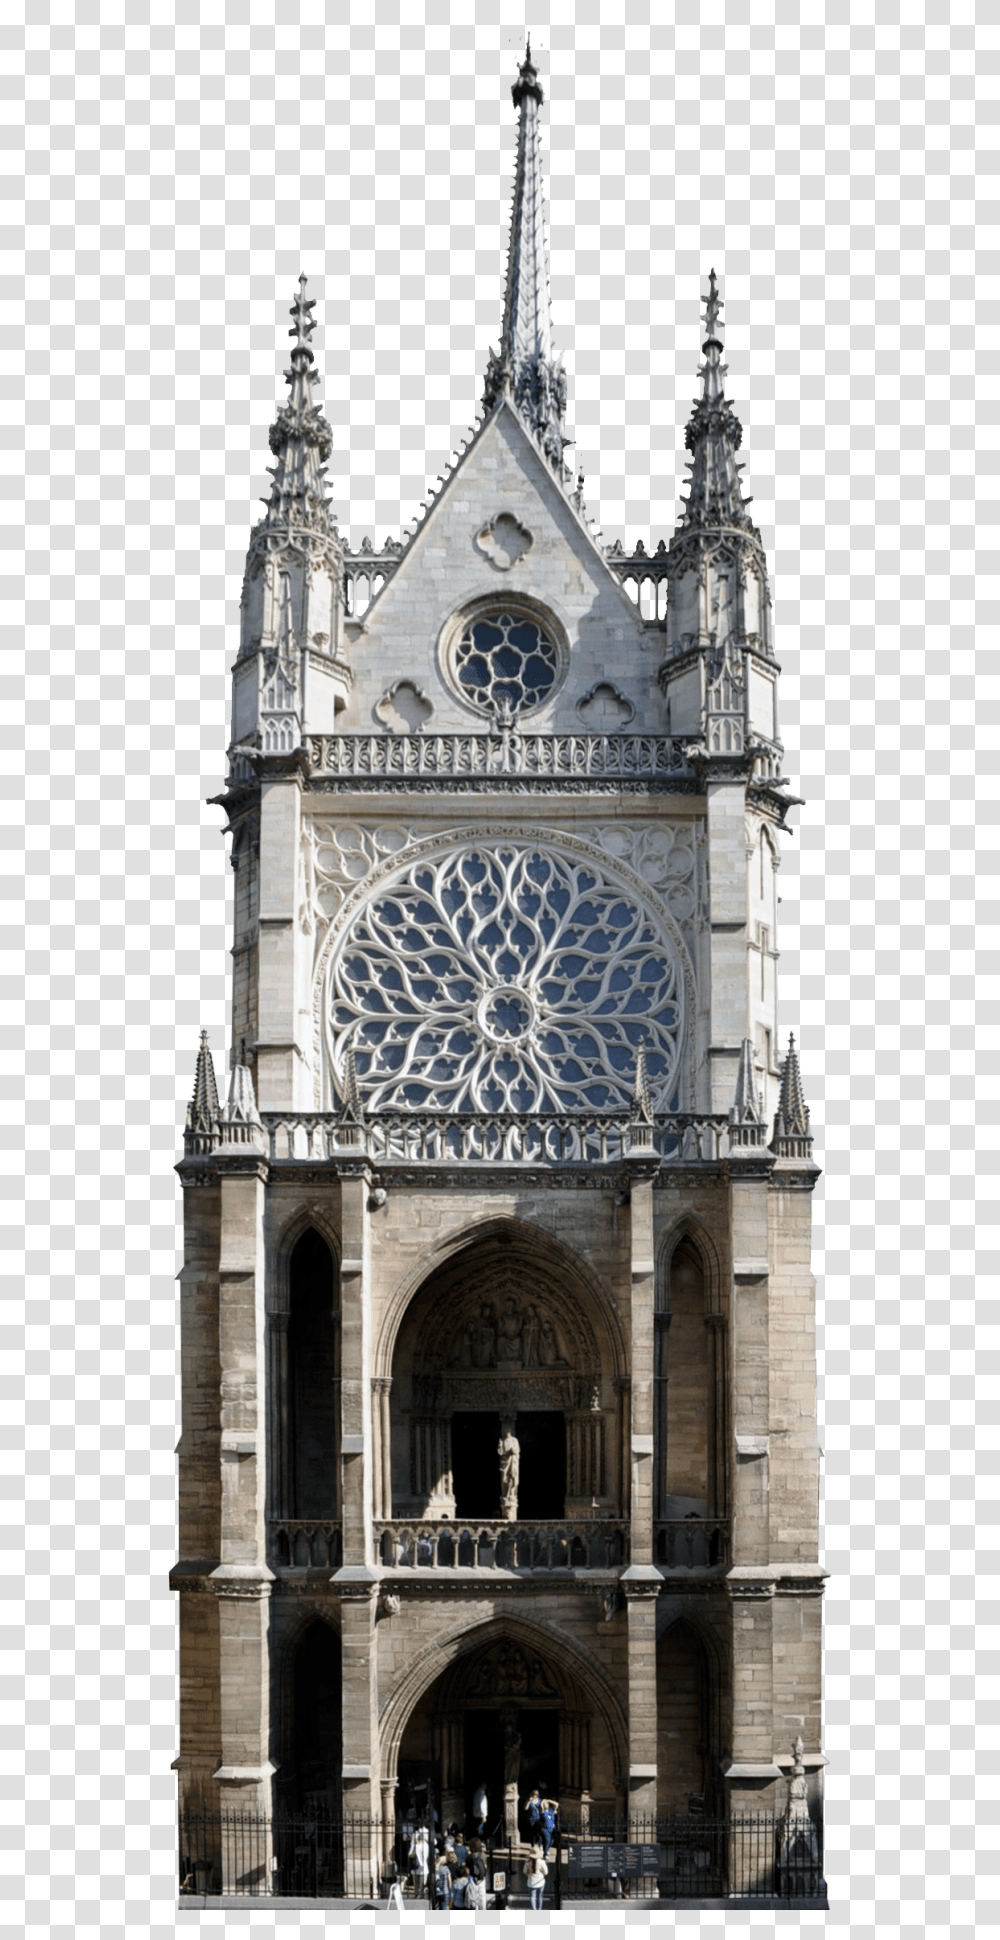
pixel 598 1860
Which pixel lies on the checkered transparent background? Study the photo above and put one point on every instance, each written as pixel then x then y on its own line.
pixel 170 171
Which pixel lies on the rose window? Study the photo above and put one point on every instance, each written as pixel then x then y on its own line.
pixel 511 977
pixel 505 663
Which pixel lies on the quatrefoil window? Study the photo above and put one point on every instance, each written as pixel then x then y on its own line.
pixel 506 663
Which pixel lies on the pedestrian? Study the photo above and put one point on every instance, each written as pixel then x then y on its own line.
pixel 533 1813
pixel 442 1883
pixel 480 1810
pixel 461 1849
pixel 460 1888
pixel 535 1872
pixel 419 1856
pixel 476 1895
pixel 548 1823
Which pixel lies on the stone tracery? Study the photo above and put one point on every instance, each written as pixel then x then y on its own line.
pixel 506 976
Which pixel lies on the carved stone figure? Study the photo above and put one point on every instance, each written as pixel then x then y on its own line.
pixel 509 1335
pixel 548 1351
pixel 529 1337
pixel 486 1338
pixel 509 1451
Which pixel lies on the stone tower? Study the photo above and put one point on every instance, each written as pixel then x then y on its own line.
pixel 499 1461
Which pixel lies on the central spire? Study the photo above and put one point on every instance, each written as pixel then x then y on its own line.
pixel 526 369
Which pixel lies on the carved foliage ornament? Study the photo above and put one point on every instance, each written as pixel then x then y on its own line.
pixel 505 976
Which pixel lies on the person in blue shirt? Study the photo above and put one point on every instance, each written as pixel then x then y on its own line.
pixel 459 1888
pixel 533 1813
pixel 442 1883
pixel 548 1824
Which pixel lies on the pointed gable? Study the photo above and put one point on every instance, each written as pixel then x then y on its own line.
pixel 501 531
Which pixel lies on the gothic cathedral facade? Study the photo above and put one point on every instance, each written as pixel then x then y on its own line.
pixel 499 1459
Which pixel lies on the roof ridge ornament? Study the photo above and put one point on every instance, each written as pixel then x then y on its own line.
pixel 526 369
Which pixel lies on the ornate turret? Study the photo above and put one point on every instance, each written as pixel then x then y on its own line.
pixel 792 1137
pixel 526 368
pixel 291 673
pixel 719 606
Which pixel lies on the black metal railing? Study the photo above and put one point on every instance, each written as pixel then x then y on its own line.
pixel 761 1856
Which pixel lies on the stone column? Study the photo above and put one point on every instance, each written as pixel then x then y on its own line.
pixel 242 1581
pixel 384 1385
pixel 643 1345
pixel 356 1581
pixel 388 1791
pixel 641 1584
pixel 718 1427
pixel 280 1067
pixel 282 1490
pixel 357 1490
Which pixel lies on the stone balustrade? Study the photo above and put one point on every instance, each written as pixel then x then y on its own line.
pixel 305 1543
pixel 459 757
pixel 477 1138
pixel 483 1545
pixel 694 1543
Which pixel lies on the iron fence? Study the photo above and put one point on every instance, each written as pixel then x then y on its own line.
pixel 767 1857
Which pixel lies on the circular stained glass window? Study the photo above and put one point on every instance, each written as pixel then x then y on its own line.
pixel 506 663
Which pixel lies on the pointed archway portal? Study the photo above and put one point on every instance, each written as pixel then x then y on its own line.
pixel 506 1716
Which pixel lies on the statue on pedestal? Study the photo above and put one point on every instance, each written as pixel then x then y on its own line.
pixel 509 1451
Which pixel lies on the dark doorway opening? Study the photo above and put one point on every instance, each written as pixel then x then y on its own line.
pixel 313 1342
pixel 475 1465
pixel 318 1721
pixel 539 1758
pixel 541 1494
pixel 483 1765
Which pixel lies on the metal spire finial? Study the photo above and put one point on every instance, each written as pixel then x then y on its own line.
pixel 713 304
pixel 303 322
pixel 526 368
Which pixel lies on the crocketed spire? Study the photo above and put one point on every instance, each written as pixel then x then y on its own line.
pixel 792 1138
pixel 201 1131
pixel 526 368
pixel 746 1121
pixel 713 437
pixel 300 436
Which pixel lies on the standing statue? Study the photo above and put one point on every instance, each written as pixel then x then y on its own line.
pixel 529 1337
pixel 509 1451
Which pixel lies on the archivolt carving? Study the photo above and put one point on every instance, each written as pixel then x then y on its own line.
pixel 495 1322
pixel 500 974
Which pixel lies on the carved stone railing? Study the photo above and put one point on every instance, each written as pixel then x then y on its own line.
pixel 306 1543
pixel 456 757
pixel 644 575
pixel 478 1138
pixel 483 1545
pixel 694 1543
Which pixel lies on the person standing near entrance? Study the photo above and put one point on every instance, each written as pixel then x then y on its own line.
pixel 548 1823
pixel 533 1814
pixel 480 1809
pixel 536 1873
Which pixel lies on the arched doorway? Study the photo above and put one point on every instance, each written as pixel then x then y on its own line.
pixel 511 1712
pixel 504 1341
